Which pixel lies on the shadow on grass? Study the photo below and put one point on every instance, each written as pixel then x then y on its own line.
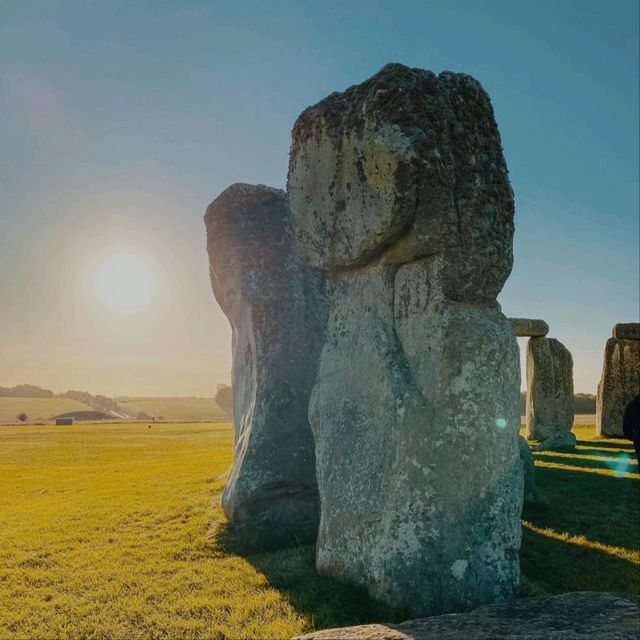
pixel 618 462
pixel 604 509
pixel 559 566
pixel 287 559
pixel 622 443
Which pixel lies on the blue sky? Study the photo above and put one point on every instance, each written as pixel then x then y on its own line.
pixel 121 121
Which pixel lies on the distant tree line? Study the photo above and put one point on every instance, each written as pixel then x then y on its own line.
pixel 582 403
pixel 33 391
pixel 88 398
pixel 25 391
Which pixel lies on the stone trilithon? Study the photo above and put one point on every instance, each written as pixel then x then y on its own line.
pixel 399 192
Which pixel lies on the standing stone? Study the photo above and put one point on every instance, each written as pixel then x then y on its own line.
pixel 620 380
pixel 549 391
pixel 277 310
pixel 399 192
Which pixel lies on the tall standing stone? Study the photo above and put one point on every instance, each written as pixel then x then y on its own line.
pixel 549 391
pixel 277 309
pixel 620 380
pixel 399 193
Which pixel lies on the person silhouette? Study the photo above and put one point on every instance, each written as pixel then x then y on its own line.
pixel 631 424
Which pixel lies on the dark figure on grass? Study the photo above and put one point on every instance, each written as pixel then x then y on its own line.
pixel 631 424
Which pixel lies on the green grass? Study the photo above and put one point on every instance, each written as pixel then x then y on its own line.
pixel 37 409
pixel 584 531
pixel 115 531
pixel 178 409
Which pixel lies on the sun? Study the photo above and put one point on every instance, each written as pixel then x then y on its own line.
pixel 125 283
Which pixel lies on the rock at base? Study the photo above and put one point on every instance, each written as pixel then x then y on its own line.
pixel 565 442
pixel 549 389
pixel 627 331
pixel 529 471
pixel 568 616
pixel 528 327
pixel 619 384
pixel 277 310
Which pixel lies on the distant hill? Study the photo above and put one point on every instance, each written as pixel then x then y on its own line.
pixel 42 405
pixel 37 409
pixel 168 409
pixel 582 403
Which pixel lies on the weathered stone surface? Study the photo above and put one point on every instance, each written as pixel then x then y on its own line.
pixel 565 441
pixel 528 327
pixel 277 310
pixel 549 389
pixel 619 384
pixel 569 616
pixel 627 331
pixel 406 165
pixel 399 191
pixel 528 470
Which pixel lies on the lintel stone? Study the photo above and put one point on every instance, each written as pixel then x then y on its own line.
pixel 529 327
pixel 627 331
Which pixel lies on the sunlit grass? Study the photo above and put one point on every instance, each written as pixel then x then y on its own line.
pixel 115 531
pixel 108 531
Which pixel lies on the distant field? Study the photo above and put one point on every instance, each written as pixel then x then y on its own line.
pixel 115 531
pixel 168 409
pixel 578 419
pixel 37 409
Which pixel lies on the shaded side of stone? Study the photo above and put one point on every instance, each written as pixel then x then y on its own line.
pixel 549 389
pixel 627 331
pixel 569 616
pixel 400 194
pixel 277 309
pixel 528 327
pixel 528 470
pixel 565 441
pixel 619 384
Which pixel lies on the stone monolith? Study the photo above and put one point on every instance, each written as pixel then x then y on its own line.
pixel 549 392
pixel 620 379
pixel 399 192
pixel 277 309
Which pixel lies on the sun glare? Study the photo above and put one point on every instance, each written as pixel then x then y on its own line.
pixel 125 283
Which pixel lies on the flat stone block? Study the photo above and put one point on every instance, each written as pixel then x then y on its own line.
pixel 627 331
pixel 529 327
pixel 568 616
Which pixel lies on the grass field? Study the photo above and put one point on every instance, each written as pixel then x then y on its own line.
pixel 37 409
pixel 178 409
pixel 115 531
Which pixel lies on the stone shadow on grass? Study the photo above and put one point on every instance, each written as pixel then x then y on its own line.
pixel 616 462
pixel 621 443
pixel 559 566
pixel 601 508
pixel 287 559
